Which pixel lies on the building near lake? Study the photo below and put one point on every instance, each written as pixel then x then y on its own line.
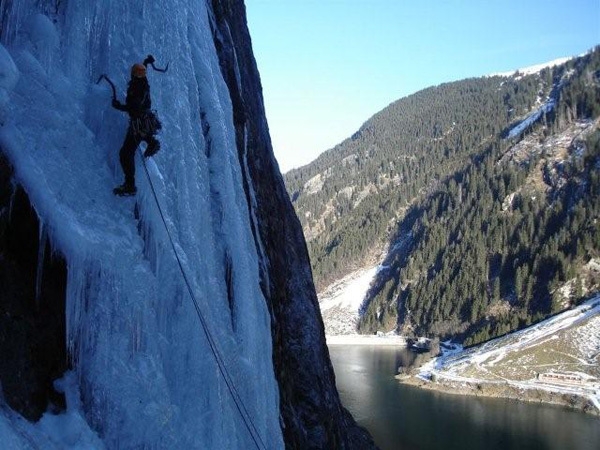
pixel 566 378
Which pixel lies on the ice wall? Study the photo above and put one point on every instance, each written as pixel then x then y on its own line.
pixel 146 373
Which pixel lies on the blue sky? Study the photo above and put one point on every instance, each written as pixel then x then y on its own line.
pixel 327 66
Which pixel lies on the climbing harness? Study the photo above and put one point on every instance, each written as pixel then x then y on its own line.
pixel 239 403
pixel 147 124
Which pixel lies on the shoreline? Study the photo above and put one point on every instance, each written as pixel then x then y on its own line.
pixel 481 388
pixel 366 339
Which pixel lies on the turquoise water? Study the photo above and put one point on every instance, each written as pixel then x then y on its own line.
pixel 401 417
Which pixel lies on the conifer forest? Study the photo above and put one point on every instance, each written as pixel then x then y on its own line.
pixel 480 200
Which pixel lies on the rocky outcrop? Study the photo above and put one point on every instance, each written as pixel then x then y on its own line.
pixel 312 414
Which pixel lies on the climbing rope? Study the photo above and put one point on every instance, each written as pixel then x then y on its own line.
pixel 239 403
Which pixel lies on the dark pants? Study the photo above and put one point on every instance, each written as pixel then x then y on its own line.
pixel 127 153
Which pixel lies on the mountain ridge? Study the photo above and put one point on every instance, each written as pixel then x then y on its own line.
pixel 535 68
pixel 419 146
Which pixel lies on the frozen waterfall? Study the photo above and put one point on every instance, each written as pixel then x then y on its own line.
pixel 144 375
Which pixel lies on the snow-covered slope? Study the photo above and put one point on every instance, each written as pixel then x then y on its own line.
pixel 532 69
pixel 340 303
pixel 147 375
pixel 544 105
pixel 540 357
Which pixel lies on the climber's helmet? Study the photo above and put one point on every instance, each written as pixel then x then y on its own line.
pixel 138 71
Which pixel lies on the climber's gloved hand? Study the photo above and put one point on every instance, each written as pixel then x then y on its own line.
pixel 149 60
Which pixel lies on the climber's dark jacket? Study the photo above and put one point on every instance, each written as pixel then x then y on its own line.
pixel 138 98
pixel 143 125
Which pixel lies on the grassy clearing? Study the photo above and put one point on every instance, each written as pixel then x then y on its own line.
pixel 575 349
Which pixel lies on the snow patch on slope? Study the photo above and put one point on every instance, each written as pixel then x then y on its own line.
pixel 548 105
pixel 340 303
pixel 348 293
pixel 532 69
pixel 452 365
pixel 518 129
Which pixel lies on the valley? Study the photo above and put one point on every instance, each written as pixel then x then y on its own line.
pixel 462 212
pixel 469 214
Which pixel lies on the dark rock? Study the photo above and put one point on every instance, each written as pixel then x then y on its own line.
pixel 32 311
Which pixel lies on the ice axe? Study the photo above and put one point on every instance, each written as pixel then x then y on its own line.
pixel 150 60
pixel 112 85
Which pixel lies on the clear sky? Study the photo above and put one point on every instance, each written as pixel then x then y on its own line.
pixel 327 66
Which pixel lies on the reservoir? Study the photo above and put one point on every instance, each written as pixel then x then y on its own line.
pixel 401 417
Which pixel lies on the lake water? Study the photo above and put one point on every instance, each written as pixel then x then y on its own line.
pixel 401 417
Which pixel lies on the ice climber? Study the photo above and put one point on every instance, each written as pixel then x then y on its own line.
pixel 143 126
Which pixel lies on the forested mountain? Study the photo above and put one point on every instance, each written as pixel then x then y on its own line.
pixel 480 198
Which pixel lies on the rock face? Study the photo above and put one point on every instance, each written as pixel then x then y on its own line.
pixel 312 414
pixel 32 305
pixel 33 278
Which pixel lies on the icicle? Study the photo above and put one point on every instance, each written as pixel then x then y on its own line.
pixel 43 241
pixel 205 133
pixel 13 193
pixel 136 333
pixel 230 287
pixel 236 67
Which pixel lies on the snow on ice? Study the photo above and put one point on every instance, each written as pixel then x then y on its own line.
pixel 142 364
pixel 8 79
